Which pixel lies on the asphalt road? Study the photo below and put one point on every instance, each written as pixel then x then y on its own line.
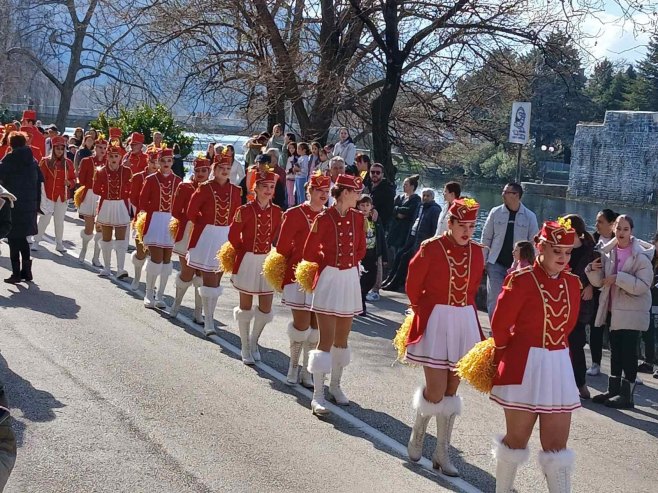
pixel 109 396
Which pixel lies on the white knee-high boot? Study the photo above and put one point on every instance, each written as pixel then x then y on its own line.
pixel 138 264
pixel 152 272
pixel 557 468
pixel 86 238
pixel 120 251
pixel 243 318
pixel 319 364
pixel 309 345
pixel 106 248
pixel 42 225
pixel 95 260
pixel 181 289
pixel 198 302
pixel 424 412
pixel 445 420
pixel 209 297
pixel 507 462
pixel 297 340
pixel 260 321
pixel 166 271
pixel 340 358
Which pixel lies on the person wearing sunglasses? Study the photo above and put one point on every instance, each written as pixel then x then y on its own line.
pixel 505 225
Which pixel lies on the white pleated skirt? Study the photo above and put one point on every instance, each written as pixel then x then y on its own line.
pixel 296 298
pixel 548 385
pixel 338 292
pixel 451 332
pixel 158 234
pixel 204 255
pixel 249 279
pixel 180 247
pixel 113 213
pixel 89 204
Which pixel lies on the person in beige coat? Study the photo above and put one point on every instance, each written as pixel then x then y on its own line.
pixel 624 273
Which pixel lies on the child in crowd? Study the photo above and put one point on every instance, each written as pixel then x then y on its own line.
pixel 524 256
pixel 314 161
pixel 301 170
pixel 375 249
pixel 293 157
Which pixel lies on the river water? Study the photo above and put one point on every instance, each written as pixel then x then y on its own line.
pixel 550 207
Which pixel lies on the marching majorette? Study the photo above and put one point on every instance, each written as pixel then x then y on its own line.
pixel 254 228
pixel 156 202
pixel 115 139
pixel 536 310
pixel 337 243
pixel 296 226
pixel 136 159
pixel 138 257
pixel 112 186
pixel 442 282
pixel 87 201
pixel 211 209
pixel 59 176
pixel 182 226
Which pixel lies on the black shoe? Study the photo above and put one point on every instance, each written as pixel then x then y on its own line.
pixel 13 279
pixel 26 272
pixel 645 367
pixel 625 398
pixel 614 384
pixel 655 374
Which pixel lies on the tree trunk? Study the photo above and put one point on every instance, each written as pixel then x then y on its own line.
pixel 276 107
pixel 65 96
pixel 381 110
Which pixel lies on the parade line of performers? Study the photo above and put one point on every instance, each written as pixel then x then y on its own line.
pixel 315 253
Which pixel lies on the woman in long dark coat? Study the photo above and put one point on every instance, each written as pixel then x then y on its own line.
pixel 20 173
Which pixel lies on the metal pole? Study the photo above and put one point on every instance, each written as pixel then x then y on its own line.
pixel 518 164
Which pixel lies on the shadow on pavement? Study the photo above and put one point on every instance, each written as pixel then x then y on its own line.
pixel 36 405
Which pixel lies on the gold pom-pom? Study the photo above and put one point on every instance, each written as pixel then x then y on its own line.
pixel 305 274
pixel 79 196
pixel 226 256
pixel 174 224
pixel 274 269
pixel 140 224
pixel 477 366
pixel 401 337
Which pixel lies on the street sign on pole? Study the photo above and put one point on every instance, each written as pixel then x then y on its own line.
pixel 519 127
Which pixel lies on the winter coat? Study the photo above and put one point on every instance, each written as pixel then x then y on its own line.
pixel 7 200
pixel 427 227
pixel 179 166
pixel 20 173
pixel 383 196
pixel 581 257
pixel 631 302
pixel 346 150
pixel 407 207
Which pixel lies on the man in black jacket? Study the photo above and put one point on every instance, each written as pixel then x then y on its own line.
pixel 383 194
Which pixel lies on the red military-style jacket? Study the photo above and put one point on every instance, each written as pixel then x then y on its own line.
pixel 335 240
pixel 295 228
pixel 182 197
pixel 254 229
pixel 136 162
pixel 533 310
pixel 136 185
pixel 157 195
pixel 213 204
pixel 56 178
pixel 86 172
pixel 112 184
pixel 442 273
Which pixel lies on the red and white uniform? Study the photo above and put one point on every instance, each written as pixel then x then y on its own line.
pixel 211 209
pixel 251 233
pixel 156 199
pixel 337 244
pixel 442 282
pixel 88 168
pixel 295 228
pixel 136 184
pixel 531 325
pixel 55 176
pixel 136 162
pixel 182 198
pixel 113 190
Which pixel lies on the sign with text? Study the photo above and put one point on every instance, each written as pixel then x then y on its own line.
pixel 519 128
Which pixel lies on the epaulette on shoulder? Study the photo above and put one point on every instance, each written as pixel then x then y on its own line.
pixel 569 273
pixel 522 271
pixel 516 274
pixel 481 245
pixel 430 240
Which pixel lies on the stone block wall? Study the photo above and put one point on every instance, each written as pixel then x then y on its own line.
pixel 616 160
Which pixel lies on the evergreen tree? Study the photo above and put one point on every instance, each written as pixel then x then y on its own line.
pixel 648 70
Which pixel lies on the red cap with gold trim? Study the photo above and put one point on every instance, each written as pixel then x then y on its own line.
pixel 166 152
pixel 136 138
pixel 58 140
pixel 267 177
pixel 101 142
pixel 464 210
pixel 223 159
pixel 320 182
pixel 201 162
pixel 115 133
pixel 558 233
pixel 114 150
pixel 349 181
